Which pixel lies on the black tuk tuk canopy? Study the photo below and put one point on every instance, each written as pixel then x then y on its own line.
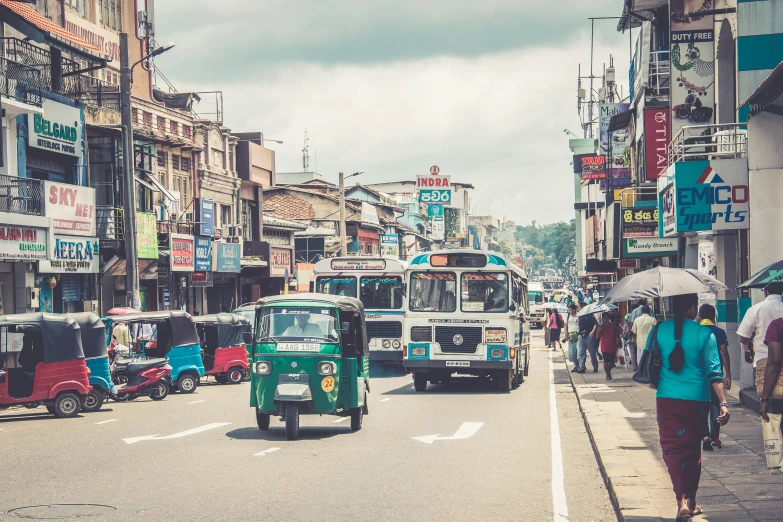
pixel 93 333
pixel 60 335
pixel 183 329
pixel 347 304
pixel 230 327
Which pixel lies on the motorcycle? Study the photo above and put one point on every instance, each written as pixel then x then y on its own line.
pixel 148 377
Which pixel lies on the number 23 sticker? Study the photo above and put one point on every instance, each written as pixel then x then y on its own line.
pixel 327 384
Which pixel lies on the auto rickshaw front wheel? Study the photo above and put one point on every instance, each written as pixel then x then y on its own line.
pixel 246 374
pixel 234 375
pixel 93 400
pixel 187 383
pixel 292 421
pixel 357 415
pixel 67 405
pixel 262 419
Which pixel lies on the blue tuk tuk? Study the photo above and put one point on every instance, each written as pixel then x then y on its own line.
pixel 171 334
pixel 93 333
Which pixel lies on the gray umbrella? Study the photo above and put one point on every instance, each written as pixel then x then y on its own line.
pixel 661 282
pixel 594 308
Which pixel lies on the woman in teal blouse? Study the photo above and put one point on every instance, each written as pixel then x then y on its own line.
pixel 691 364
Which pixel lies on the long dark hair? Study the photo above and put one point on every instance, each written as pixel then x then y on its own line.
pixel 680 305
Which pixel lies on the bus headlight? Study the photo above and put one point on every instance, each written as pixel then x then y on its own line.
pixel 419 351
pixel 327 368
pixel 263 368
pixel 497 353
pixel 396 344
pixel 386 344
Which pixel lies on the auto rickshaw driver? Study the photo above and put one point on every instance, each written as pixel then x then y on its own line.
pixel 302 327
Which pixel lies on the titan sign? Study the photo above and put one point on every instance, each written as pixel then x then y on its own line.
pixel 707 195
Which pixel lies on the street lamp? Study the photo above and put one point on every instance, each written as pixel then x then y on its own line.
pixel 343 238
pixel 279 142
pixel 131 255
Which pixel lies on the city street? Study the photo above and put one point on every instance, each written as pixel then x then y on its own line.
pixel 456 452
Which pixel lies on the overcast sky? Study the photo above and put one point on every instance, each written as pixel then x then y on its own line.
pixel 483 89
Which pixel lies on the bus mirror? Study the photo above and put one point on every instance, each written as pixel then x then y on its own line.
pixel 513 307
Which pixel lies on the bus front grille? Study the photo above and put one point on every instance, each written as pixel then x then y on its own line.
pixel 384 330
pixel 458 339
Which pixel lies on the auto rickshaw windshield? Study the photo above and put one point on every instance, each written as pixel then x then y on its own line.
pixel 288 323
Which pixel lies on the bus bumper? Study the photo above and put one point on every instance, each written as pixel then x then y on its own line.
pixel 426 364
pixel 386 356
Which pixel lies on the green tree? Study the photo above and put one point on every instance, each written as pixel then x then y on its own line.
pixel 555 241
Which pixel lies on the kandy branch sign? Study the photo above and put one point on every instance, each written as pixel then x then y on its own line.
pixel 58 129
pixel 71 208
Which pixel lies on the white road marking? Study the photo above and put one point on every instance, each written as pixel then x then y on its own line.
pixel 558 483
pixel 196 402
pixel 386 399
pixel 179 435
pixel 107 421
pixel 467 430
pixel 266 452
pixel 341 419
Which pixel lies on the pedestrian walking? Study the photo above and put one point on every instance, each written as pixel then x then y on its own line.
pixel 691 365
pixel 572 335
pixel 555 327
pixel 712 431
pixel 641 328
pixel 757 320
pixel 588 342
pixel 771 382
pixel 609 336
pixel 547 327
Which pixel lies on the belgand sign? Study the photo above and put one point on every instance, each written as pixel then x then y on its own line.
pixel 72 255
pixel 707 195
pixel 58 129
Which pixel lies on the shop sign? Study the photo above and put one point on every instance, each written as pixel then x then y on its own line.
pixel 358 264
pixel 435 189
pixel 434 211
pixel 227 257
pixel 640 222
pixel 146 236
pixel 203 253
pixel 106 41
pixel 707 195
pixel 649 247
pixel 22 243
pixel 72 255
pixel 201 279
pixel 390 245
pixel 389 239
pixel 58 129
pixel 182 253
pixel 279 262
pixel 667 218
pixel 205 216
pixel 593 167
pixel 656 142
pixel 71 208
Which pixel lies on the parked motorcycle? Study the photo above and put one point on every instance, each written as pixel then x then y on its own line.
pixel 148 377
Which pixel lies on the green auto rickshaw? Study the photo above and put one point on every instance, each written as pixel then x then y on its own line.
pixel 309 356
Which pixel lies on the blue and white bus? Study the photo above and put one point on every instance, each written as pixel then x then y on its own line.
pixel 464 310
pixel 379 283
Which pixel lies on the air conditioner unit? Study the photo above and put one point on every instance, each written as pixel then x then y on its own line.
pixel 34 298
pixel 188 217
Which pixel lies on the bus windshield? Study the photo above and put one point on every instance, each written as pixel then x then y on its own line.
pixel 484 292
pixel 433 292
pixel 535 297
pixel 336 285
pixel 381 292
pixel 299 324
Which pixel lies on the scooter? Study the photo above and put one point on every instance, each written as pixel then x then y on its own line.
pixel 146 377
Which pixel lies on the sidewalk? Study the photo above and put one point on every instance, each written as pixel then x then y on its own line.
pixel 620 418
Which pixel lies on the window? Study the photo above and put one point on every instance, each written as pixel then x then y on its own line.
pixel 484 292
pixel 231 159
pixel 342 285
pixel 433 292
pixel 175 162
pixel 299 324
pixel 147 118
pixel 110 14
pixel 226 214
pixel 185 163
pixel 135 115
pixel 217 158
pixel 277 237
pixel 247 220
pixel 161 123
pixel 187 132
pixel 76 5
pixel 173 127
pixel 162 158
pixel 381 292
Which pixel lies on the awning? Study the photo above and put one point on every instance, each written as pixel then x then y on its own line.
pixel 148 269
pixel 766 94
pixel 145 184
pixel 620 121
pixel 159 187
pixel 36 26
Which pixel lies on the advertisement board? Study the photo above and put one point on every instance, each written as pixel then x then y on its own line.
pixel 203 256
pixel 434 189
pixel 71 208
pixel 201 279
pixel 227 257
pixel 182 253
pixel 72 255
pixel 593 167
pixel 656 142
pixel 59 129
pixel 22 243
pixel 434 211
pixel 205 216
pixel 620 140
pixel 146 236
pixel 640 222
pixel 649 247
pixel 390 245
pixel 279 261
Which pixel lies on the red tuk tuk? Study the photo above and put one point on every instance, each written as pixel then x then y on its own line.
pixel 42 362
pixel 222 339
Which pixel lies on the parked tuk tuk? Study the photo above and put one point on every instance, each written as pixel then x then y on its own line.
pixel 310 357
pixel 93 333
pixel 223 346
pixel 42 362
pixel 170 334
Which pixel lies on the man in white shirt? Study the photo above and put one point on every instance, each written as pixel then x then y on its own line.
pixel 758 318
pixel 641 328
pixel 303 328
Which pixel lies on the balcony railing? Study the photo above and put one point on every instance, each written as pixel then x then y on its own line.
pixel 20 82
pixel 110 222
pixel 660 75
pixel 701 142
pixel 175 227
pixel 21 196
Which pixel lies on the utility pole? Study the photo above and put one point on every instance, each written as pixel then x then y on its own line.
pixel 343 239
pixel 131 254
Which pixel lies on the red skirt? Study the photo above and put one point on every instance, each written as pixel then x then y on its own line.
pixel 681 430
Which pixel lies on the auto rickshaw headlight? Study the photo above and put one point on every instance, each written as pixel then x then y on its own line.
pixel 387 344
pixel 263 368
pixel 327 368
pixel 396 344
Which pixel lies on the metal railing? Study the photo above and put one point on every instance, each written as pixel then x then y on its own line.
pixel 20 82
pixel 110 222
pixel 99 93
pixel 21 195
pixel 175 227
pixel 660 74
pixel 701 142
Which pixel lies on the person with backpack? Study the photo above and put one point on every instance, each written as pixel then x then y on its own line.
pixel 555 326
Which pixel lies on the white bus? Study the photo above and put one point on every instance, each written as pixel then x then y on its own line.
pixel 463 317
pixel 535 296
pixel 379 283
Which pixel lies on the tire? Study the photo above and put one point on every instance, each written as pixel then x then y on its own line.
pixel 187 383
pixel 419 381
pixel 93 401
pixel 357 415
pixel 292 421
pixel 505 378
pixel 234 375
pixel 262 419
pixel 527 360
pixel 160 392
pixel 246 374
pixel 67 405
pixel 50 409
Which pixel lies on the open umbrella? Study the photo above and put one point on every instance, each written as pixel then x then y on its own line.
pixel 122 310
pixel 661 282
pixel 771 274
pixel 594 308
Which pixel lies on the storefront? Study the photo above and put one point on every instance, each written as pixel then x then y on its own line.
pixel 201 277
pixel 55 140
pixel 181 264
pixel 23 241
pixel 223 295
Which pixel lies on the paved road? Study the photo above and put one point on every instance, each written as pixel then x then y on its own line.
pixel 219 466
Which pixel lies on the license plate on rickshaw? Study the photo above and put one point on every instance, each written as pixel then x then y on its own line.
pixel 298 347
